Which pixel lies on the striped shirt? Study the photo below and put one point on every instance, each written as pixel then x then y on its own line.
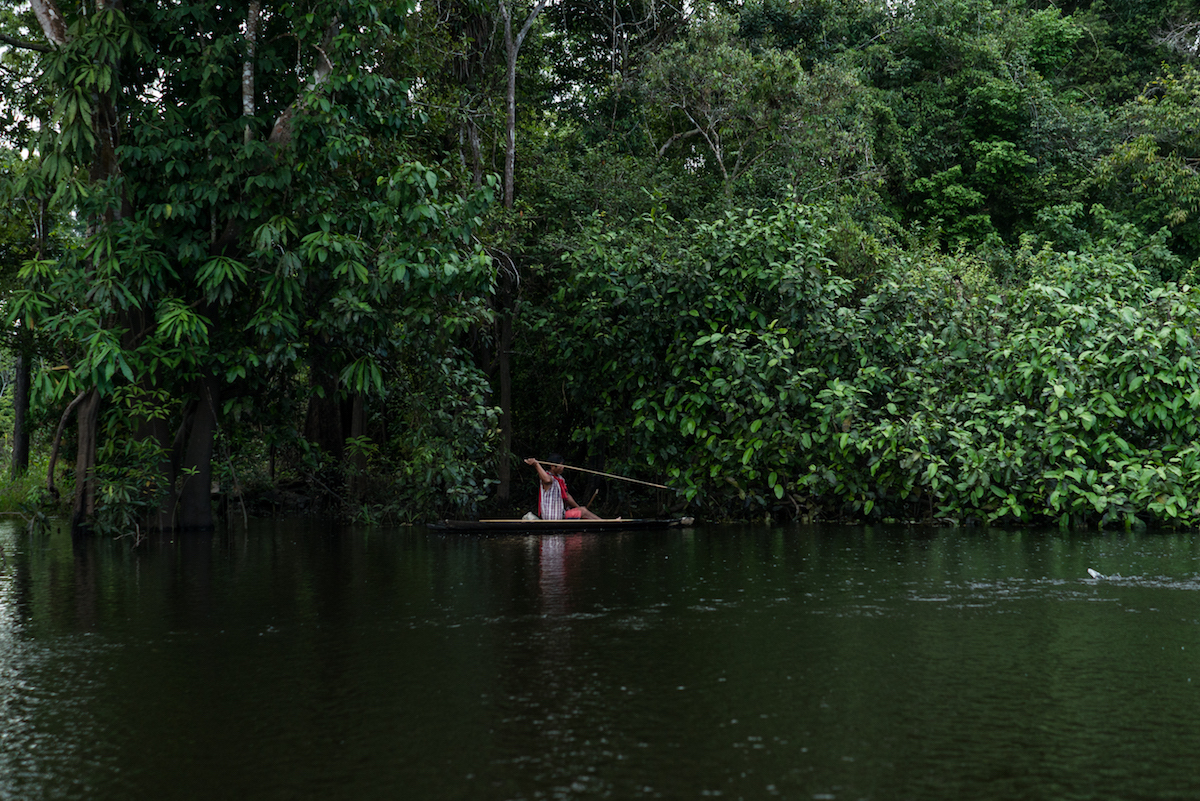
pixel 550 500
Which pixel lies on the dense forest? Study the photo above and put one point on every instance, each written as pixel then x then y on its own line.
pixel 796 259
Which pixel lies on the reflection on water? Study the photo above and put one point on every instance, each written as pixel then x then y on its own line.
pixel 299 660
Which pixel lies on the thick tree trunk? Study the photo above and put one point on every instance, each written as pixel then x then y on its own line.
pixel 138 324
pixel 84 505
pixel 195 497
pixel 323 424
pixel 51 20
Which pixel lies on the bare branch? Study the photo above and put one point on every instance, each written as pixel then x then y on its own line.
pixel 324 66
pixel 1181 36
pixel 662 150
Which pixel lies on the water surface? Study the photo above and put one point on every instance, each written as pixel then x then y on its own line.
pixel 301 660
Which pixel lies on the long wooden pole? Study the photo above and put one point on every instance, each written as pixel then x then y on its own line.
pixel 606 475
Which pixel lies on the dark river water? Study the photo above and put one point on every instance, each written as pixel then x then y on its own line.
pixel 300 660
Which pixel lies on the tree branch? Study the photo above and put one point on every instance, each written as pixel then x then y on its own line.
pixel 511 48
pixel 1181 36
pixel 62 422
pixel 675 138
pixel 281 132
pixel 528 20
pixel 24 45
pixel 714 144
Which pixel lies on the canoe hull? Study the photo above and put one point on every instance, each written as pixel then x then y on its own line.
pixel 558 526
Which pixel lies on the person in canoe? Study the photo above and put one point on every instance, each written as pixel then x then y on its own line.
pixel 554 502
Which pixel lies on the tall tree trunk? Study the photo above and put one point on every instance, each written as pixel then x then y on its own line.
pixel 51 20
pixel 105 165
pixel 253 15
pixel 195 497
pixel 506 295
pixel 84 506
pixel 323 422
pixel 512 46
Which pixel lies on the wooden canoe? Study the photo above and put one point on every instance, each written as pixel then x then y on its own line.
pixel 559 526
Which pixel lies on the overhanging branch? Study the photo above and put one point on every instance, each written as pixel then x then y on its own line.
pixel 24 45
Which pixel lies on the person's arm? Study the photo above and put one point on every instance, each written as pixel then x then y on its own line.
pixel 542 474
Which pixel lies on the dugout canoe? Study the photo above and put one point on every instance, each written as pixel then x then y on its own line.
pixel 559 526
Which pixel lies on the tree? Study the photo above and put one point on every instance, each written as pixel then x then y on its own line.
pixel 25 223
pixel 26 219
pixel 712 90
pixel 222 254
pixel 480 47
pixel 1152 177
pixel 512 48
pixel 679 342
pixel 985 91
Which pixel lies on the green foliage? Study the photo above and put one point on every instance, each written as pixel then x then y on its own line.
pixel 995 130
pixel 23 105
pixel 442 431
pixel 24 497
pixel 327 250
pixel 727 357
pixel 132 482
pixel 1072 399
pixel 815 31
pixel 18 240
pixel 1150 178
pixel 679 340
pixel 802 258
pixel 723 105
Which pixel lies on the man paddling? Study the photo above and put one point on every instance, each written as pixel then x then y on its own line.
pixel 554 502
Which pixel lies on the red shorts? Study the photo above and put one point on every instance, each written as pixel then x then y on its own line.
pixel 572 514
